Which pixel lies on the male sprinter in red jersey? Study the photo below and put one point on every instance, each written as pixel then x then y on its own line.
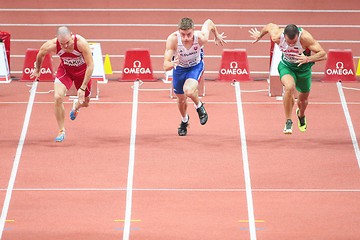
pixel 76 66
pixel 184 55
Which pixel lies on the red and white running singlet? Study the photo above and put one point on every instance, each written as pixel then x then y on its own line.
pixel 73 62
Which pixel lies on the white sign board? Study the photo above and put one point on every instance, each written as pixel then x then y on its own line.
pixel 99 72
pixel 4 66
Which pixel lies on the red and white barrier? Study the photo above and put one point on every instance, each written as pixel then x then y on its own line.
pixel 47 72
pixel 137 65
pixel 234 65
pixel 339 66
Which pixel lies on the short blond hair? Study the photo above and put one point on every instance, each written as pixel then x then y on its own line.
pixel 186 23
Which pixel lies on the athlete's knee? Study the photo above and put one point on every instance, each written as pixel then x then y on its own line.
pixel 181 99
pixel 58 98
pixel 289 88
pixel 303 98
pixel 190 92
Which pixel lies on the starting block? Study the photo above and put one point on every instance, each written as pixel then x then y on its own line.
pixel 339 66
pixel 201 84
pixel 47 72
pixel 4 65
pixel 275 85
pixel 234 65
pixel 137 65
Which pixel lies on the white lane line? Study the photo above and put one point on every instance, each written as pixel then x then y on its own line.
pixel 315 190
pixel 249 198
pixel 349 122
pixel 143 40
pixel 130 178
pixel 217 10
pixel 172 102
pixel 15 167
pixel 167 25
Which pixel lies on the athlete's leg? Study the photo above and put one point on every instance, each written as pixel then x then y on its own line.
pixel 78 83
pixel 191 90
pixel 302 103
pixel 182 104
pixel 289 91
pixel 79 105
pixel 59 94
pixel 303 85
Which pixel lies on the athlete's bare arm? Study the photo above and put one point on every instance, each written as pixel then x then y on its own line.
pixel 46 48
pixel 170 52
pixel 204 34
pixel 271 28
pixel 84 48
pixel 308 42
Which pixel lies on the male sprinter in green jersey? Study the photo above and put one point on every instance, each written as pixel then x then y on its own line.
pixel 296 45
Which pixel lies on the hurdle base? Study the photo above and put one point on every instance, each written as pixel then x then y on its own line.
pixel 275 86
pixel 5 79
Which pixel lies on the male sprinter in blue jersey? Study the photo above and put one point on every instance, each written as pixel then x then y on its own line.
pixel 296 45
pixel 184 55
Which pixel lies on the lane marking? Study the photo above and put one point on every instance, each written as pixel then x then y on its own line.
pixel 130 177
pixel 166 25
pixel 154 89
pixel 14 170
pixel 163 41
pixel 122 229
pixel 349 122
pixel 172 102
pixel 246 229
pixel 175 10
pixel 123 220
pixel 188 189
pixel 248 191
pixel 246 221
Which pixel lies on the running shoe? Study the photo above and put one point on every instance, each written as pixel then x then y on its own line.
pixel 73 112
pixel 288 127
pixel 301 122
pixel 182 130
pixel 61 136
pixel 203 116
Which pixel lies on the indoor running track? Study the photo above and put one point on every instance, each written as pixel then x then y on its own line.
pixel 123 173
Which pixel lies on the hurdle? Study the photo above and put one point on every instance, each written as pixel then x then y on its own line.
pixel 275 85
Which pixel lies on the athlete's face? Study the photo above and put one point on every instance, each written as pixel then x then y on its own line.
pixel 66 42
pixel 291 42
pixel 187 35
